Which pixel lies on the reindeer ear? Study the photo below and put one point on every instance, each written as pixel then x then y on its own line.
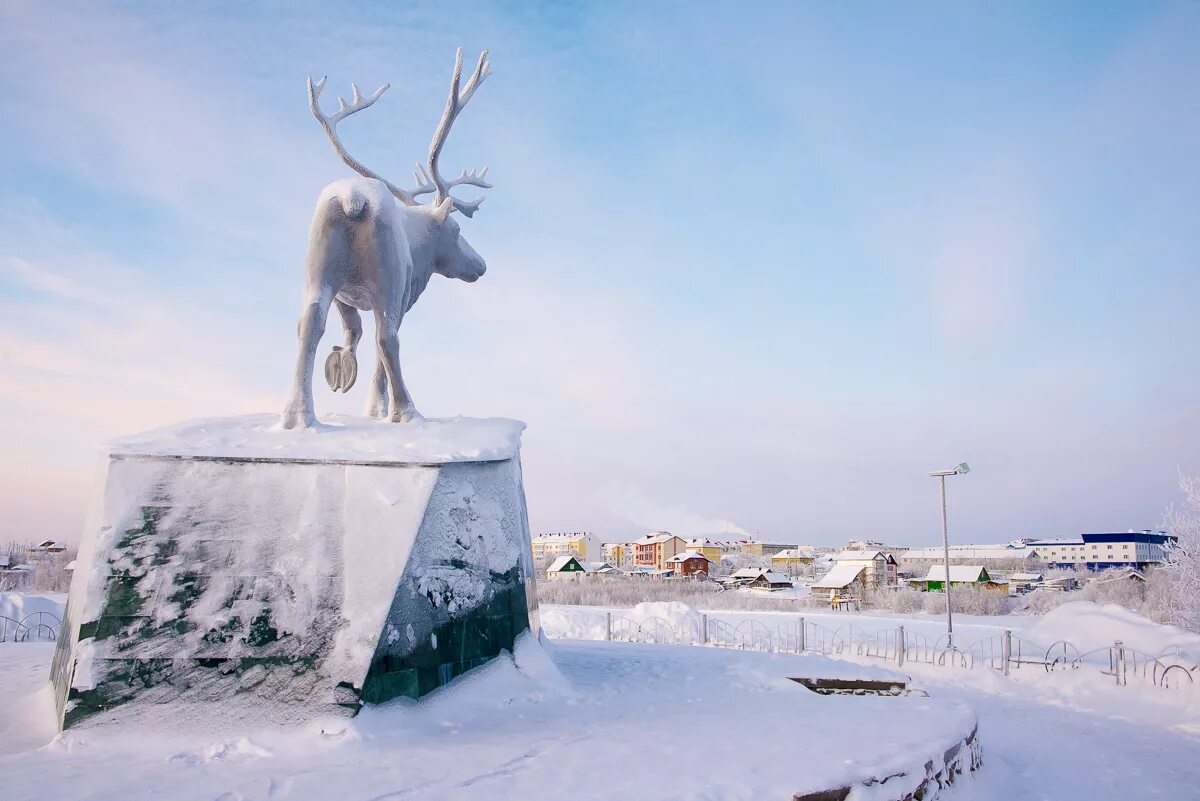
pixel 440 213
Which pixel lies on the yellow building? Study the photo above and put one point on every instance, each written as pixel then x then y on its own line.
pixel 794 561
pixel 618 554
pixel 580 544
pixel 712 551
pixel 760 548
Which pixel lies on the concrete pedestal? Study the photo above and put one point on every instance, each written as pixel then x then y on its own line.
pixel 233 572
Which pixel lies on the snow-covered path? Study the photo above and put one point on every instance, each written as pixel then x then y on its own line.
pixel 1035 749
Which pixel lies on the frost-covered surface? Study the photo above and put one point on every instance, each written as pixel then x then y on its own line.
pixel 266 587
pixel 338 438
pixel 601 721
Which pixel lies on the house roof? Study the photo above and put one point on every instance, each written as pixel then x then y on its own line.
pixel 656 536
pixel 799 552
pixel 858 556
pixel 842 575
pixel 561 537
pixel 686 555
pixel 598 567
pixel 561 562
pixel 1120 574
pixel 755 573
pixel 1025 577
pixel 958 573
pixel 972 552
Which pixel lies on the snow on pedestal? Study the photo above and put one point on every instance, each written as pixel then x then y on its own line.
pixel 233 571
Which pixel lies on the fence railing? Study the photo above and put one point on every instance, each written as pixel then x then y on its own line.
pixel 34 627
pixel 1004 652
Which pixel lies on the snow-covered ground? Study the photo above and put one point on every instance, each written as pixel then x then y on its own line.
pixel 602 721
pixel 619 720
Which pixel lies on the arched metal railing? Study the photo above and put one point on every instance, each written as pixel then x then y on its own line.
pixel 34 627
pixel 8 628
pixel 1001 652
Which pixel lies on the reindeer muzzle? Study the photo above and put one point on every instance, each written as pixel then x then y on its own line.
pixel 341 369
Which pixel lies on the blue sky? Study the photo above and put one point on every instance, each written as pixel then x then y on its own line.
pixel 751 271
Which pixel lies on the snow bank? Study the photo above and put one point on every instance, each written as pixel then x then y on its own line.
pixel 339 438
pixel 1088 625
pixel 17 605
pixel 683 617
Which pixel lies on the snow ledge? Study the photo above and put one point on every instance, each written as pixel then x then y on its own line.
pixel 336 439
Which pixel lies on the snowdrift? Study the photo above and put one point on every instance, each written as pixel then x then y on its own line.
pixel 17 605
pixel 1088 625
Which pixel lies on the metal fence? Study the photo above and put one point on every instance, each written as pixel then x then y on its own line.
pixel 34 627
pixel 1004 652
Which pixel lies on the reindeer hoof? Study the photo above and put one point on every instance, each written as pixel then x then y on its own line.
pixel 407 414
pixel 341 369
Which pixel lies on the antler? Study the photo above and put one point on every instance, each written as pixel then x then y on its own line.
pixel 431 180
pixel 357 104
pixel 424 184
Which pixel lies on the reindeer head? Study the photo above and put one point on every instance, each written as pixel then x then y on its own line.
pixel 452 256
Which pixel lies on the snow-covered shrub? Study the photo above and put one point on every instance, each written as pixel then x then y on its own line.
pixel 738 561
pixel 1126 592
pixel 968 601
pixel 625 591
pixel 46 571
pixel 1039 602
pixel 903 599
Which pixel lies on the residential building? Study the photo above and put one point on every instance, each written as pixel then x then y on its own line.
pixel 964 575
pixel 1102 551
pixel 712 551
pixel 618 554
pixel 565 567
pixel 580 543
pixel 759 548
pixel 845 581
pixel 758 578
pixel 690 563
pixel 571 567
pixel 1013 556
pixel 881 568
pixel 895 551
pixel 656 548
pixel 797 561
pixel 1023 582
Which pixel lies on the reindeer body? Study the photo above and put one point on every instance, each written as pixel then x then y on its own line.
pixel 372 247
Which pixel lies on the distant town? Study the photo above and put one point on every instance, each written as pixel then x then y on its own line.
pixel 843 578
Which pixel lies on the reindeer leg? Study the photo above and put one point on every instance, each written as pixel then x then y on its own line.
pixel 403 410
pixel 299 411
pixel 377 401
pixel 341 367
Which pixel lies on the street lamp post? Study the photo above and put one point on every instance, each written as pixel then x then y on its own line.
pixel 961 470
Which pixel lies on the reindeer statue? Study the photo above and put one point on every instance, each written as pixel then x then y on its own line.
pixel 373 247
